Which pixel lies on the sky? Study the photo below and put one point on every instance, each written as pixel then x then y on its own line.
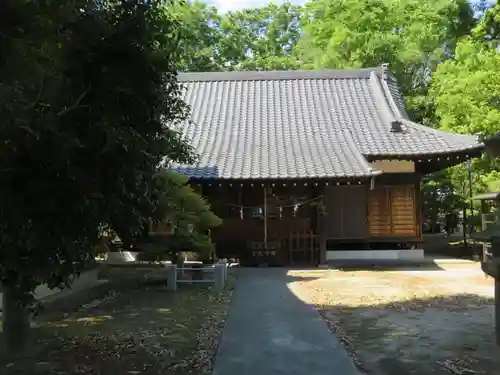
pixel 225 5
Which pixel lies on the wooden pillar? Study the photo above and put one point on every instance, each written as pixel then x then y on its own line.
pixel 322 242
pixel 240 203
pixel 419 208
pixel 322 230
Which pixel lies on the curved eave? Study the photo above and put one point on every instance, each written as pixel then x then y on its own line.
pixel 492 145
pixel 468 153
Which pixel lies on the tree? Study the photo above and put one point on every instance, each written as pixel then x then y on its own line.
pixel 440 198
pixel 88 91
pixel 411 35
pixel 249 39
pixel 260 38
pixel 491 264
pixel 190 215
pixel 488 29
pixel 200 35
pixel 466 92
pixel 467 89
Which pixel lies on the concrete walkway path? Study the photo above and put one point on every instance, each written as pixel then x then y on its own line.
pixel 269 331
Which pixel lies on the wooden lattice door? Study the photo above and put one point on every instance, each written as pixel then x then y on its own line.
pixel 392 211
pixel 303 248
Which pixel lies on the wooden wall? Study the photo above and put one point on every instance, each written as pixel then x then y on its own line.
pixel 227 202
pixel 390 211
pixel 353 214
pixel 345 216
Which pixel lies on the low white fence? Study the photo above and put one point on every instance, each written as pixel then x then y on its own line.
pixel 218 275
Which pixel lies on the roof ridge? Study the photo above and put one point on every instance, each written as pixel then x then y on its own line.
pixel 385 112
pixel 390 99
pixel 272 75
pixel 357 153
pixel 360 157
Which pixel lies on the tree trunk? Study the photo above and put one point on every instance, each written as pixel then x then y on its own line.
pixel 15 322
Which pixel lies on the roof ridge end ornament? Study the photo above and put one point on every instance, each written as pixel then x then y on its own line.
pixel 396 126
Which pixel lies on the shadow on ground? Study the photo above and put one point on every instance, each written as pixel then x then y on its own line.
pixel 435 335
pixel 439 244
pixel 387 265
pixel 427 264
pixel 132 330
pixel 417 335
pixel 143 331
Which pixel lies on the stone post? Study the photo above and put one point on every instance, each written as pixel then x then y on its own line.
pixel 219 277
pixel 224 265
pixel 171 277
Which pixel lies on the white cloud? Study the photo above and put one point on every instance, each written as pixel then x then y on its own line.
pixel 225 5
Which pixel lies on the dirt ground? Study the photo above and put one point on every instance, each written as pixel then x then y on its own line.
pixel 419 322
pixel 142 330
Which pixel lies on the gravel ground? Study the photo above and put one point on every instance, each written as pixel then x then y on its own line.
pixel 421 322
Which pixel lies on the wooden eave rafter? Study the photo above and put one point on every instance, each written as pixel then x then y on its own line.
pixel 438 156
pixel 433 162
pixel 348 181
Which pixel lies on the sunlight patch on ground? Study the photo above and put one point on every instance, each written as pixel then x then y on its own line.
pixel 164 310
pixel 94 319
pixel 403 321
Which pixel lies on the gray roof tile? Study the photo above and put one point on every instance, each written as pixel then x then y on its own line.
pixel 301 124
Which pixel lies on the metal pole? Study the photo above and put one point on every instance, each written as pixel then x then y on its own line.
pixel 464 226
pixel 470 193
pixel 471 216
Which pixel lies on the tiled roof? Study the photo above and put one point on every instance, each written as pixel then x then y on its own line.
pixel 302 124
